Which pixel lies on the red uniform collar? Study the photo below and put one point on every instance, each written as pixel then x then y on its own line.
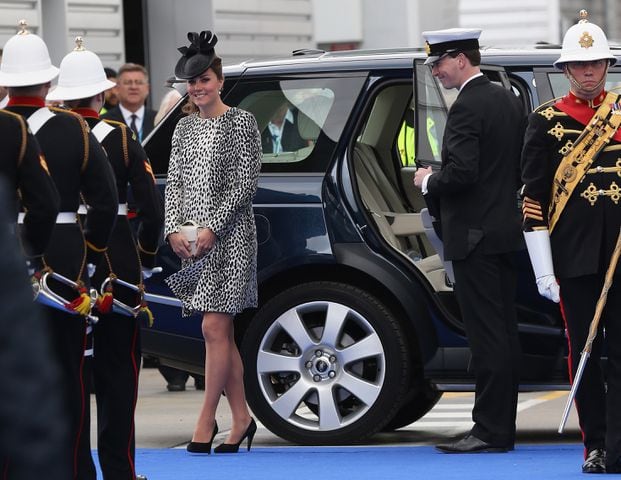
pixel 26 102
pixel 583 110
pixel 86 112
pixel 593 103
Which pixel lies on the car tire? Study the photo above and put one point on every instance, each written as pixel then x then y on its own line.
pixel 326 363
pixel 423 399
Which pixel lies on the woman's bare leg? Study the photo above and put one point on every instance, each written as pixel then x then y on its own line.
pixel 235 394
pixel 218 333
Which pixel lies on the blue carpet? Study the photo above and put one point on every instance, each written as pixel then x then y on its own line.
pixel 526 462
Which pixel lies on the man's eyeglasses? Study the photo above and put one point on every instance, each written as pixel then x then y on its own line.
pixel 129 83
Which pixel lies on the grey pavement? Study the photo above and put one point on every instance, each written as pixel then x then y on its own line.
pixel 166 419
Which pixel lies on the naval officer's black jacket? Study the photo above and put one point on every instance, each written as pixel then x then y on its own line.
pixel 477 185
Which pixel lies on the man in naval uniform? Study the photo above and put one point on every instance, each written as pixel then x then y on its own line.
pixel 78 167
pixel 571 219
pixel 116 360
pixel 475 193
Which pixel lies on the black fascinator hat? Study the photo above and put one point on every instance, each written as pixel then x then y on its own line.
pixel 198 56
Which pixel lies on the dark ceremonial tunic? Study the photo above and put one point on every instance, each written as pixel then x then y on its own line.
pixel 586 233
pixel 24 168
pixel 33 420
pixel 582 243
pixel 116 360
pixel 476 190
pixel 131 167
pixel 78 166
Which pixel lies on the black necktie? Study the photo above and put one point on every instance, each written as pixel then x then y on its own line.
pixel 133 125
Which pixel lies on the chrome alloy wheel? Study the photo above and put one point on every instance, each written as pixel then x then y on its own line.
pixel 321 365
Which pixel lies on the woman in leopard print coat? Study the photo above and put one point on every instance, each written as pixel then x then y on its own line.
pixel 212 178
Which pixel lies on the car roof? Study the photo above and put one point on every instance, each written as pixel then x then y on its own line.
pixel 317 60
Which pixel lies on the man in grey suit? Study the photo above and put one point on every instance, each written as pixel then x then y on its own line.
pixel 133 90
pixel 475 193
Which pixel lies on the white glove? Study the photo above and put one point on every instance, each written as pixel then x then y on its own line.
pixel 148 272
pixel 540 253
pixel 90 269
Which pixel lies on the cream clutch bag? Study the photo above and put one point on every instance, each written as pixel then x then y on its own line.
pixel 189 230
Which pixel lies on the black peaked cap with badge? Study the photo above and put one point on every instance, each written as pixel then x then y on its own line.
pixel 198 56
pixel 450 40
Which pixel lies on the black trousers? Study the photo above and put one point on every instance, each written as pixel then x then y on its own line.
pixel 485 286
pixel 598 399
pixel 68 333
pixel 116 364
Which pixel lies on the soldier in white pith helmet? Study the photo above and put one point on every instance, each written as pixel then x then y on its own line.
pixel 79 167
pixel 571 219
pixel 82 84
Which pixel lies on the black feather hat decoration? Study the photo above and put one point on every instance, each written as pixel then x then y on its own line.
pixel 198 56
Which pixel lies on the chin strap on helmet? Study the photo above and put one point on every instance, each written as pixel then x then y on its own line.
pixel 596 88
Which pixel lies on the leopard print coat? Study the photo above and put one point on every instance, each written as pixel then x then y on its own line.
pixel 212 178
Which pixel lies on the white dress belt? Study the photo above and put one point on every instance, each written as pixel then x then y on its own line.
pixel 122 210
pixel 62 217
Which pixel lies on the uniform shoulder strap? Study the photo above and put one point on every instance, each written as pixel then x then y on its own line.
pixel 124 137
pixel 39 118
pixel 101 130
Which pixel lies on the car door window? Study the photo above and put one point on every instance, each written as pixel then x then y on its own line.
pixel 300 119
pixel 433 103
pixel 560 84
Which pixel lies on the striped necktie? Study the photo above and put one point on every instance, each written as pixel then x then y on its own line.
pixel 133 126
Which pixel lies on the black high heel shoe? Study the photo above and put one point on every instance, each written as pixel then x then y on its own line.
pixel 234 447
pixel 203 447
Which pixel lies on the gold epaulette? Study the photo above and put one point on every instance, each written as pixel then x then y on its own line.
pixel 115 123
pixel 63 110
pixel 547 104
pixel 124 133
pixel 125 127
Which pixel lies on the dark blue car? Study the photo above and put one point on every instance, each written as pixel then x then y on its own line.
pixel 357 328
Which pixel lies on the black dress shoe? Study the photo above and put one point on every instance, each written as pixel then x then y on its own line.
pixel 176 387
pixel 471 444
pixel 203 447
pixel 234 447
pixel 595 461
pixel 614 467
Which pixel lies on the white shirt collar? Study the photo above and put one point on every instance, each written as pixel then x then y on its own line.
pixel 476 75
pixel 127 115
